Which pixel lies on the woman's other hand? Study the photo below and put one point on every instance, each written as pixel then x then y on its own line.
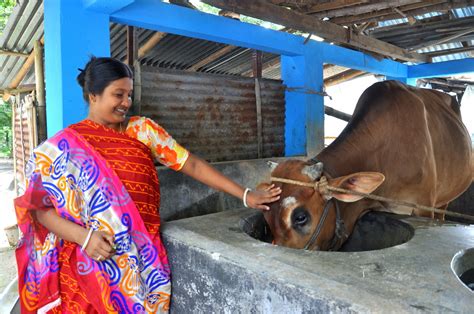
pixel 100 246
pixel 263 195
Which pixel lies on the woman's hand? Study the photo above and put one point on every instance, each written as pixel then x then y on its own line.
pixel 260 197
pixel 100 246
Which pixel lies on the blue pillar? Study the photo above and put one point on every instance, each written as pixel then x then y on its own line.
pixel 72 34
pixel 304 130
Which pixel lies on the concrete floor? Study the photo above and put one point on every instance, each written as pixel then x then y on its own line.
pixel 8 270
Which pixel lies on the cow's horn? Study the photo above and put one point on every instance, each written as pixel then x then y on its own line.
pixel 314 171
pixel 272 165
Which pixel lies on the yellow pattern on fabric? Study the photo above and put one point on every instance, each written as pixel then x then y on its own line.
pixel 163 147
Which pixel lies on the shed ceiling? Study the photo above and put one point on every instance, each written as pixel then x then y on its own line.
pixel 439 30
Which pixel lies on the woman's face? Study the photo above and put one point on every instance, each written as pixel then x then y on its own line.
pixel 111 107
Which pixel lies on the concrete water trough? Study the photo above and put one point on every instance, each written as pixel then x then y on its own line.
pixel 222 263
pixel 463 267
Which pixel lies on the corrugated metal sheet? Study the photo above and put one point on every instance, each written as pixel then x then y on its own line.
pixel 24 26
pixel 180 52
pixel 214 116
pixel 458 13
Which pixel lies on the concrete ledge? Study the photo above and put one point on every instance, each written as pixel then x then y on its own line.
pixel 183 197
pixel 219 268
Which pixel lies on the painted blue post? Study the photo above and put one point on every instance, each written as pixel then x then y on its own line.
pixel 72 34
pixel 304 130
pixel 314 80
pixel 292 74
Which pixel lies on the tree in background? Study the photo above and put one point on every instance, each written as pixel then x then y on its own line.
pixel 6 8
pixel 6 141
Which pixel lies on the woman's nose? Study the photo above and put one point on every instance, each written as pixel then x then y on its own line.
pixel 127 101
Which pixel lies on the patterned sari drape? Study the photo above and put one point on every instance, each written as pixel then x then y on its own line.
pixel 70 174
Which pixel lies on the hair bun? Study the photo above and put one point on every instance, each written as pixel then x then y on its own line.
pixel 81 78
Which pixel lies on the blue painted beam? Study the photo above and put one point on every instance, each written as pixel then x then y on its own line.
pixel 359 61
pixel 178 20
pixel 72 34
pixel 438 69
pixel 183 21
pixel 107 6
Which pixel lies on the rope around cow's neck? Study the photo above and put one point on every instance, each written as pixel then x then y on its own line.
pixel 324 188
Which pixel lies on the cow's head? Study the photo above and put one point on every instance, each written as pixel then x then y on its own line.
pixel 295 217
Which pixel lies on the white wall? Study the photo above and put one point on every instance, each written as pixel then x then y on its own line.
pixel 344 98
pixel 467 110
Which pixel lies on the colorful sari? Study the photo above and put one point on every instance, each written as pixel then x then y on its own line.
pixel 101 179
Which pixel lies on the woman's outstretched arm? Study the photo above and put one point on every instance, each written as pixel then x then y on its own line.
pixel 202 171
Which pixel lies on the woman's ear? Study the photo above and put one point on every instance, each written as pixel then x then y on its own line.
pixel 362 182
pixel 91 98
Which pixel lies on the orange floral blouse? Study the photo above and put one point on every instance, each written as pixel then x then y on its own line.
pixel 163 147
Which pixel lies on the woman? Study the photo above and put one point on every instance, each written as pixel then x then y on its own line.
pixel 90 215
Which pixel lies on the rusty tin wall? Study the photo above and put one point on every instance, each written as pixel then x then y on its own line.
pixel 214 116
pixel 24 137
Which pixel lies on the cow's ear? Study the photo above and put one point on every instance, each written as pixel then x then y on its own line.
pixel 363 182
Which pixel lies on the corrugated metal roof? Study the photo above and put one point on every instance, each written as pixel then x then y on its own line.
pixel 458 13
pixel 25 25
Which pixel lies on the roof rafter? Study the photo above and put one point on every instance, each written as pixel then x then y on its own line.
pixel 268 12
pixel 410 9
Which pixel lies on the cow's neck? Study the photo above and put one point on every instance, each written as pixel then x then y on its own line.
pixel 347 156
pixel 341 159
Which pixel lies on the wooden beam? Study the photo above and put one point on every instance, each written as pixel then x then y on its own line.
pixel 449 51
pixel 442 40
pixel 20 89
pixel 265 67
pixel 332 5
pixel 330 111
pixel 365 8
pixel 40 93
pixel 331 32
pixel 257 57
pixel 411 9
pixel 211 58
pixel 342 77
pixel 150 44
pixel 13 53
pixel 132 45
pixel 22 72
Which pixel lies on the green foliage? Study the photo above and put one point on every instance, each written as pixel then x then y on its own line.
pixel 247 19
pixel 6 8
pixel 6 136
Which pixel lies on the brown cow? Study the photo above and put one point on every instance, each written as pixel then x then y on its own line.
pixel 402 142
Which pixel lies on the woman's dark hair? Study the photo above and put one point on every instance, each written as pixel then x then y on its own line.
pixel 99 73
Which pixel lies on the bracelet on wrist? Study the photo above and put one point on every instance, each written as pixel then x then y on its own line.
pixel 89 234
pixel 244 199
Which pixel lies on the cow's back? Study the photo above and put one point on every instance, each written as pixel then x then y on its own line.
pixel 415 137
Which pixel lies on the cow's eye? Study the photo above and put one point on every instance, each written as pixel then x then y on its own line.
pixel 300 217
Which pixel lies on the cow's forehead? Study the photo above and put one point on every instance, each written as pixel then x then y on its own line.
pixel 288 201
